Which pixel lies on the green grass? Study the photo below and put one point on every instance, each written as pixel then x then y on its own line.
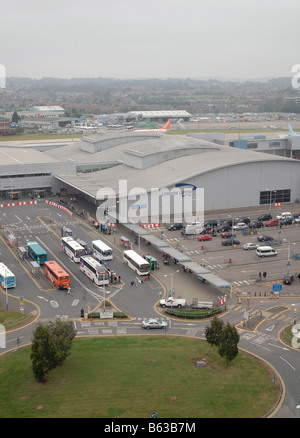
pixel 11 319
pixel 128 377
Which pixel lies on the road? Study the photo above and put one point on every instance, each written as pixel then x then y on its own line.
pixel 43 223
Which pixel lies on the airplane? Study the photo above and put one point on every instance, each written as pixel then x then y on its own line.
pixel 291 132
pixel 162 130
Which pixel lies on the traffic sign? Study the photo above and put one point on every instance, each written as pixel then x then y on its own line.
pixel 277 287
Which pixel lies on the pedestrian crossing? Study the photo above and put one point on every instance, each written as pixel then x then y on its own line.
pixel 242 282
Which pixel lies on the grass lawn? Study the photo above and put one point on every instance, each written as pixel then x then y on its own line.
pixel 128 377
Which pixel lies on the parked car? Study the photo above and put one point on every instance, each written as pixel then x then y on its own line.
pixel 227 235
pixel 240 226
pixel 175 227
pixel 272 223
pixel 264 238
pixel 288 279
pixel 256 224
pixel 204 237
pixel 224 227
pixel 264 217
pixel 249 246
pixel 210 223
pixel 284 215
pixel 227 242
pixel 297 220
pixel 154 324
pixel 286 221
pixel 246 220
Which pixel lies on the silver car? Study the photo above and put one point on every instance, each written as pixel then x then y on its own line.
pixel 250 246
pixel 154 324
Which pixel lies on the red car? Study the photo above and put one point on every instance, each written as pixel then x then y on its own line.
pixel 204 237
pixel 227 235
pixel 272 223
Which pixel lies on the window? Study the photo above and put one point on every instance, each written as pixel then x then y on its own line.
pixel 272 196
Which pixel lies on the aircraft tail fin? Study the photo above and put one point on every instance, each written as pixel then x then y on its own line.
pixel 291 132
pixel 167 125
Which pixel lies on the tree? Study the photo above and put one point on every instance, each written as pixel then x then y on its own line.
pixel 63 334
pixel 15 117
pixel 43 352
pixel 50 346
pixel 213 332
pixel 228 343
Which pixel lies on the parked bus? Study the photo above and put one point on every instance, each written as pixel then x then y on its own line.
pixel 94 270
pixel 36 252
pixel 57 275
pixel 72 248
pixel 136 262
pixel 102 249
pixel 7 278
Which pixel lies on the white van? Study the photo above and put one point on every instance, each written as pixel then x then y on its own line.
pixel 265 251
pixel 284 215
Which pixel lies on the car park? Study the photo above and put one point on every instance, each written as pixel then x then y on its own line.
pixel 264 238
pixel 256 224
pixel 288 279
pixel 204 237
pixel 227 242
pixel 264 217
pixel 272 223
pixel 240 226
pixel 249 246
pixel 153 324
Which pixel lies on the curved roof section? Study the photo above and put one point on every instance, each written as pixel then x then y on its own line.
pixel 167 169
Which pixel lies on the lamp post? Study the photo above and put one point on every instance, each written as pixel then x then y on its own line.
pixel 171 275
pixel 289 250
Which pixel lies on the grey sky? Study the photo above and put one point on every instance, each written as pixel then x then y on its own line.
pixel 153 38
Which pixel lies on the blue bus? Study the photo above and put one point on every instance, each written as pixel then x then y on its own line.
pixel 36 252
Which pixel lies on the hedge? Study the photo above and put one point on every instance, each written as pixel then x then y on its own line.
pixel 193 313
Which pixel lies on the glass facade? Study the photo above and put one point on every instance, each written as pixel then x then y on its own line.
pixel 273 196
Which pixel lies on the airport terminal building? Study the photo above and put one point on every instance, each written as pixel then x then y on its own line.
pixel 231 177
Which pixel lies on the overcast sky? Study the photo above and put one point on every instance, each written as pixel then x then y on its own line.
pixel 147 39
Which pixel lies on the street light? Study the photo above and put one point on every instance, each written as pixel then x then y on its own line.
pixel 171 275
pixel 289 250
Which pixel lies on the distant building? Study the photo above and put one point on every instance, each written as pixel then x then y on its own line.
pixel 162 116
pixel 46 111
pixel 4 125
